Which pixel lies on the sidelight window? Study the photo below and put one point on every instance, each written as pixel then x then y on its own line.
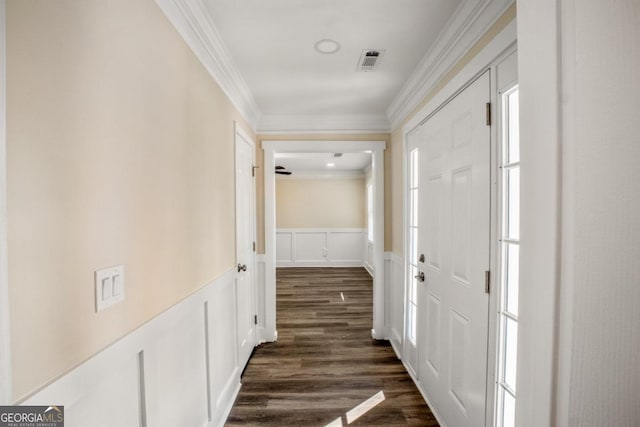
pixel 509 260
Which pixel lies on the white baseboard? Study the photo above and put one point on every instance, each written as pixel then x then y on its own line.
pixel 163 362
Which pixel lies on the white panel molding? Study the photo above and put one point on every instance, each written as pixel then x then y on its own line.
pixel 394 310
pixel 193 22
pixel 470 22
pixel 6 393
pixel 368 256
pixel 166 358
pixel 310 124
pixel 292 242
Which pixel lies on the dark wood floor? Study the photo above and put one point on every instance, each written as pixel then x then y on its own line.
pixel 325 362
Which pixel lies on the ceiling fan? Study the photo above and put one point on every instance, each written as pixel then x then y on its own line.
pixel 281 170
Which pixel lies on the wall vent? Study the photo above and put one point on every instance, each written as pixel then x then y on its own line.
pixel 369 59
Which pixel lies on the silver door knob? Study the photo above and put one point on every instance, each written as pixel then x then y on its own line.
pixel 420 277
pixel 242 267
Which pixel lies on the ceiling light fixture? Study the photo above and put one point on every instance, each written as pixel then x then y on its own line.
pixel 326 46
pixel 330 165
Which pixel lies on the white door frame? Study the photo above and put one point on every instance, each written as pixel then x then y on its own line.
pixel 5 341
pixel 377 169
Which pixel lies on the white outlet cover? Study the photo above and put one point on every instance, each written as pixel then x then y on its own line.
pixel 109 286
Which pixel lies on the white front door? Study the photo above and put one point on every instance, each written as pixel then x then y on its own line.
pixel 245 256
pixel 454 235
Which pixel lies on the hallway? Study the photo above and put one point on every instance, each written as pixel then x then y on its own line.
pixel 325 363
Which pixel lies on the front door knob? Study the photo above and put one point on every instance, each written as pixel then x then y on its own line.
pixel 420 277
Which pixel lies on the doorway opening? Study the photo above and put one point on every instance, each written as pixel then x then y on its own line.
pixel 273 149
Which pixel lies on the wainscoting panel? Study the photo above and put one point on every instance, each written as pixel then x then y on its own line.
pixel 180 368
pixel 320 247
pixel 310 246
pixel 368 259
pixel 394 300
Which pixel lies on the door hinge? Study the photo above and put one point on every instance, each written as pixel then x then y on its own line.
pixel 487 282
pixel 255 319
pixel 488 113
pixel 254 246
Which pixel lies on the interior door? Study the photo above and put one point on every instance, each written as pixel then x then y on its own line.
pixel 454 235
pixel 245 255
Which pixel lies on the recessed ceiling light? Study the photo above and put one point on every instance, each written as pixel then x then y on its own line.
pixel 326 46
pixel 330 165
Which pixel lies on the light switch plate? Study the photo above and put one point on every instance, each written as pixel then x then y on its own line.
pixel 109 286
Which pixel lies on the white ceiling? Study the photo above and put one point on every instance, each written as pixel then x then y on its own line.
pixel 261 54
pixel 317 162
pixel 271 44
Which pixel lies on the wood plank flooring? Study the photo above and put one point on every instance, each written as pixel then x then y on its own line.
pixel 325 363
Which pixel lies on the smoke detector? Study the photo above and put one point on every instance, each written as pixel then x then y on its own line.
pixel 369 59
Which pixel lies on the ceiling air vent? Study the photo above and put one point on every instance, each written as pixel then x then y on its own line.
pixel 369 59
pixel 336 155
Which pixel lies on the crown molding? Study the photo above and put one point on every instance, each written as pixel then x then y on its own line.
pixel 469 23
pixel 193 22
pixel 318 124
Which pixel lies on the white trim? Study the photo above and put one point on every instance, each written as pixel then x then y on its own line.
pixel 310 124
pixel 270 150
pixel 6 393
pixel 539 72
pixel 464 29
pixel 193 22
pixel 565 351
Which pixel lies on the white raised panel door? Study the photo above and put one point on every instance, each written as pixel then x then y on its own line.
pixel 245 233
pixel 454 217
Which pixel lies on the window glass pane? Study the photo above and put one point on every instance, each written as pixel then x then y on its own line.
pixel 413 290
pixel 508 410
pixel 414 208
pixel 513 121
pixel 412 323
pixel 512 267
pixel 414 247
pixel 414 168
pixel 510 352
pixel 513 203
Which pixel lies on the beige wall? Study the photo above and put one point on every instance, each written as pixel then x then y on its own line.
pixel 393 156
pixel 321 203
pixel 120 151
pixel 316 137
